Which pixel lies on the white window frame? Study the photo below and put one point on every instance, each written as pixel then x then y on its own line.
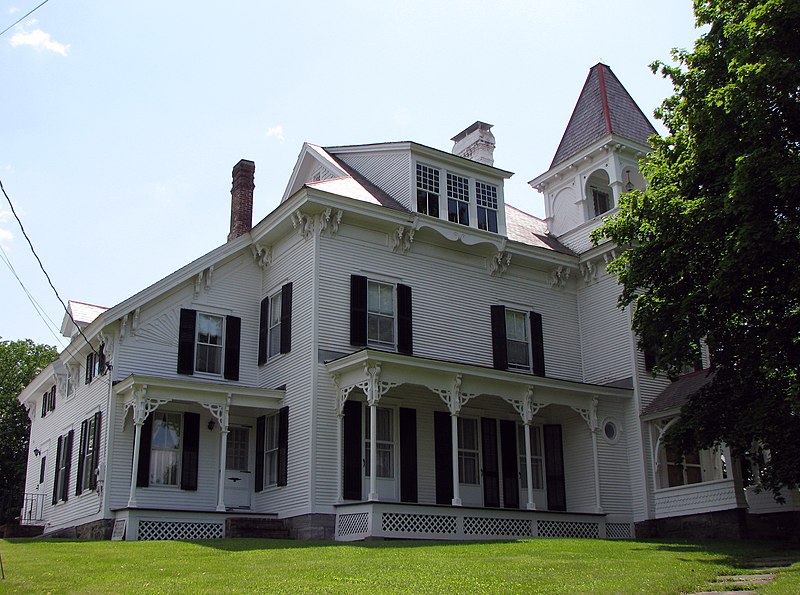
pixel 428 188
pixel 515 338
pixel 385 442
pixel 482 203
pixel 199 345
pixel 375 313
pixel 274 324
pixel 271 449
pixel 88 450
pixel 160 456
pixel 468 457
pixel 458 190
pixel 62 463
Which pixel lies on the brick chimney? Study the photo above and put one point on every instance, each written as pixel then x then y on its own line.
pixel 242 198
pixel 475 143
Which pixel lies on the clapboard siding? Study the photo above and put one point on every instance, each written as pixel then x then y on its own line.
pixel 605 332
pixel 451 303
pixel 292 262
pixel 616 469
pixel 388 170
pixel 579 239
pixel 69 413
pixel 578 460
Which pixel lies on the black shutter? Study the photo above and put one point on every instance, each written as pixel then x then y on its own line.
pixel 58 468
pixel 52 401
pixel 45 401
pixel 263 328
pixel 101 359
pixel 537 344
pixel 358 310
pixel 261 429
pixel 408 455
pixel 143 472
pixel 351 451
pixel 186 341
pixel 508 452
pixel 443 455
pixel 554 468
pixel 499 346
pixel 233 332
pixel 89 368
pixel 286 318
pixel 283 445
pixel 191 447
pixel 42 469
pixel 81 455
pixel 491 472
pixel 405 337
pixel 68 466
pixel 96 451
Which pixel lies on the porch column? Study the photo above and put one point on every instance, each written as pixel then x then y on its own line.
pixel 456 487
pixel 373 451
pixel 223 459
pixel 137 440
pixel 529 466
pixel 339 455
pixel 589 415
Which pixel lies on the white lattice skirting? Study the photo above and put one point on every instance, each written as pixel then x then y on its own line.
pixel 421 522
pixel 175 530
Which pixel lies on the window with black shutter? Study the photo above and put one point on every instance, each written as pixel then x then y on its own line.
pixel 517 340
pixel 381 315
pixel 209 343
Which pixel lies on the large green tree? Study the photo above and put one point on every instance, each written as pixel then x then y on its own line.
pixel 20 362
pixel 714 241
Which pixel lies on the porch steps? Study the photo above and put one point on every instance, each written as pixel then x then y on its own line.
pixel 255 527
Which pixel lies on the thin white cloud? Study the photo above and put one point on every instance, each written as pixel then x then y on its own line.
pixel 5 235
pixel 276 131
pixel 13 10
pixel 37 39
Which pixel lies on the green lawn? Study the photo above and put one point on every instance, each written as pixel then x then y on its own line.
pixel 262 565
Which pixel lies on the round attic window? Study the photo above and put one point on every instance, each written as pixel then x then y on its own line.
pixel 610 430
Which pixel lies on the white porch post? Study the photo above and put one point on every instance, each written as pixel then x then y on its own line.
pixel 528 465
pixel 339 455
pixel 137 440
pixel 456 487
pixel 598 507
pixel 373 451
pixel 223 459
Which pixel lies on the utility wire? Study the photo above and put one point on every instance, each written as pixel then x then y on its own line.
pixel 36 306
pixel 23 18
pixel 41 266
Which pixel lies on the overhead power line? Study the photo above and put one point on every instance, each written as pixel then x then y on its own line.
pixel 41 266
pixel 18 21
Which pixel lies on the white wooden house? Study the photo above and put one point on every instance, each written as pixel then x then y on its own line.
pixel 393 351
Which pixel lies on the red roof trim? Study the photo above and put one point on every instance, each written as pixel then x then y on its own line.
pixel 604 97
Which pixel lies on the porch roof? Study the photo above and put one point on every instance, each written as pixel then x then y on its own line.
pixel 371 369
pixel 674 396
pixel 199 391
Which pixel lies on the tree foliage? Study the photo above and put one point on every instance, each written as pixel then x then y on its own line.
pixel 20 362
pixel 714 240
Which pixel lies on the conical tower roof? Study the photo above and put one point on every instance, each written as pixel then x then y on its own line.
pixel 604 107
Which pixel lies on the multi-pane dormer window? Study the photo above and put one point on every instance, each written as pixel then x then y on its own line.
pixel 427 190
pixel 458 199
pixel 486 198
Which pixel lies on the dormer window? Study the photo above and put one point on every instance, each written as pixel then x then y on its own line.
pixel 486 196
pixel 427 190
pixel 599 196
pixel 458 199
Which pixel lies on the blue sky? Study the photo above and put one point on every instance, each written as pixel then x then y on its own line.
pixel 120 121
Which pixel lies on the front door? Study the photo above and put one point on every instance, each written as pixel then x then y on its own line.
pixel 238 473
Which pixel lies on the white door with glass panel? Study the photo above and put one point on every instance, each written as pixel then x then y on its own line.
pixel 238 472
pixel 469 462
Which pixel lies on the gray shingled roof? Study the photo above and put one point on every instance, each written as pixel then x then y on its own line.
pixel 677 393
pixel 604 107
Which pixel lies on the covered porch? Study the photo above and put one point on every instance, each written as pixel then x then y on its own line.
pixel 194 446
pixel 454 441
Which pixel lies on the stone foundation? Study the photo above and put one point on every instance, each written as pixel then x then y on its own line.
pixel 14 529
pixel 256 527
pixel 94 531
pixel 307 527
pixel 725 524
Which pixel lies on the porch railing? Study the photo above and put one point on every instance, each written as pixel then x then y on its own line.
pixel 411 521
pixel 709 496
pixel 32 512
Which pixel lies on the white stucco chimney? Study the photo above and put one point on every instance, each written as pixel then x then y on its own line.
pixel 476 143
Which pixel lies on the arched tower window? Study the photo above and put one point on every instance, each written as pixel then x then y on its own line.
pixel 599 196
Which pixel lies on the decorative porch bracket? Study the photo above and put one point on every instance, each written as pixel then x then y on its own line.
pixel 142 407
pixel 455 399
pixel 221 412
pixel 589 415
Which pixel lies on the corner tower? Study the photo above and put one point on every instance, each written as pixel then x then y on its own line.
pixel 596 160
